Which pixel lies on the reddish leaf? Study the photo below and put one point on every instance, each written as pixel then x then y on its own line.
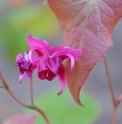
pixel 87 24
pixel 21 119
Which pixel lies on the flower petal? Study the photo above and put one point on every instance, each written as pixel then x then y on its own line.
pixel 18 58
pixel 47 74
pixel 40 59
pixel 61 76
pixel 35 42
pixel 25 66
pixel 72 60
pixel 54 64
pixel 21 77
pixel 39 51
pixel 50 75
pixel 35 59
pixel 62 50
pixel 66 52
pixel 42 74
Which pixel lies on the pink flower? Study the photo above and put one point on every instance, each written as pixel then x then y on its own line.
pixel 49 60
pixel 25 66
pixel 21 119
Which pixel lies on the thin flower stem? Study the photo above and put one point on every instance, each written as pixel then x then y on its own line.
pixel 114 115
pixel 31 92
pixel 109 80
pixel 33 107
pixel 115 102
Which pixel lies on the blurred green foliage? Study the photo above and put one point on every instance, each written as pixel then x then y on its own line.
pixel 1 2
pixel 63 110
pixel 19 22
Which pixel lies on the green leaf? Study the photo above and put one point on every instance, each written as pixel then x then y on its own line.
pixel 63 110
pixel 1 2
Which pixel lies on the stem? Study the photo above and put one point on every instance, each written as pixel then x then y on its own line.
pixel 33 107
pixel 109 80
pixel 31 92
pixel 114 115
pixel 115 102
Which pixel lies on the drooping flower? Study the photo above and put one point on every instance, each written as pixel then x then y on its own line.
pixel 50 59
pixel 25 66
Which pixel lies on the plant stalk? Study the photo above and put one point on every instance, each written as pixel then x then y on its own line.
pixel 115 102
pixel 31 92
pixel 33 107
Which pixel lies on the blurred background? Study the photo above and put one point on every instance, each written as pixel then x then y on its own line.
pixel 18 18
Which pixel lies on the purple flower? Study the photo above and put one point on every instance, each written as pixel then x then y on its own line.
pixel 49 60
pixel 25 66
